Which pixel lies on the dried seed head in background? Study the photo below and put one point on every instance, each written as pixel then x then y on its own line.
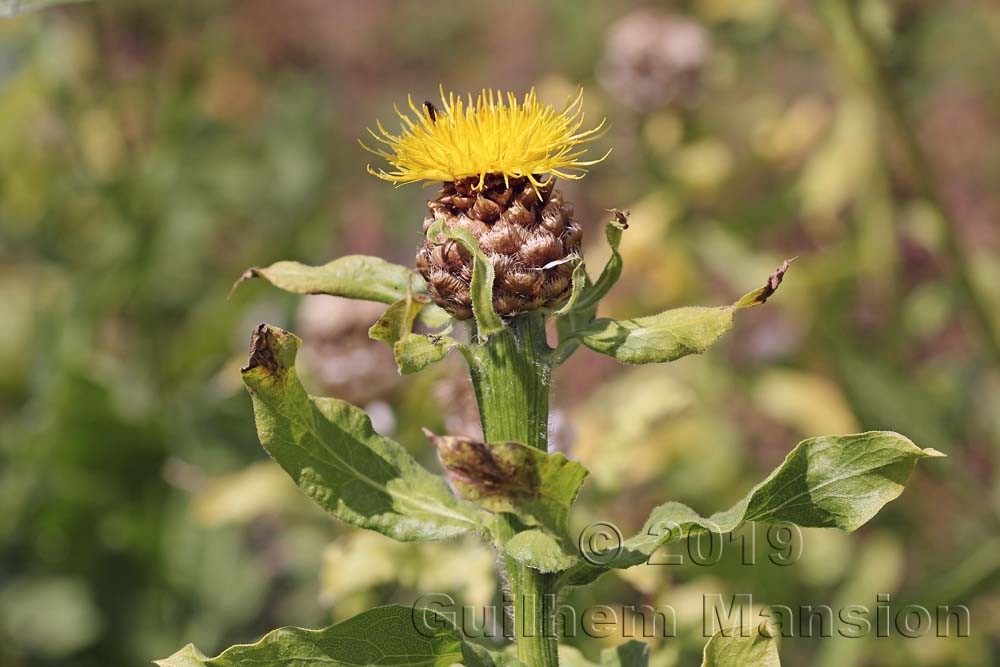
pixel 654 59
pixel 457 401
pixel 337 353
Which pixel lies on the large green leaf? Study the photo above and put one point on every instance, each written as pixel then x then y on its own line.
pixel 392 635
pixel 330 449
pixel 826 482
pixel 512 477
pixel 741 648
pixel 671 334
pixel 487 320
pixel 353 277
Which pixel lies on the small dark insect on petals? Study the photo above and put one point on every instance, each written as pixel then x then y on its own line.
pixel 431 110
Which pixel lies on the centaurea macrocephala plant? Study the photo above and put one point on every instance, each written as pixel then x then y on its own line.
pixel 500 259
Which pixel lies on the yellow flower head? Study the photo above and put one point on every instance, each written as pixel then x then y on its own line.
pixel 496 134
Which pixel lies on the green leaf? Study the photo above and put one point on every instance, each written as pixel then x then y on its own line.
pixel 539 550
pixel 505 659
pixel 760 295
pixel 582 309
pixel 629 654
pixel 392 635
pixel 741 648
pixel 671 334
pixel 413 352
pixel 512 477
pixel 826 482
pixel 331 451
pixel 189 656
pixel 658 338
pixel 567 327
pixel 416 351
pixel 487 320
pixel 579 283
pixel 397 320
pixel 613 269
pixel 353 277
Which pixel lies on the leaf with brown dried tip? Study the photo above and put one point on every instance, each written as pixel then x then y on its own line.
pixel 332 452
pixel 674 333
pixel 512 477
pixel 762 294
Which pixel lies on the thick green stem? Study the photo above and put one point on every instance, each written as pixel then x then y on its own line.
pixel 510 373
pixel 531 596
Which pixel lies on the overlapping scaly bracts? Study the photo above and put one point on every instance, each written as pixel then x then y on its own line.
pixel 527 232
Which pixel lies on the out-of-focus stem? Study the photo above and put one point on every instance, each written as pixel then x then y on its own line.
pixel 860 55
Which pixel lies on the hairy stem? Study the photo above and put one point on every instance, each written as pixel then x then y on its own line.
pixel 532 601
pixel 510 373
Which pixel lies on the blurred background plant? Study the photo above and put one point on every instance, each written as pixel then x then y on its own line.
pixel 152 151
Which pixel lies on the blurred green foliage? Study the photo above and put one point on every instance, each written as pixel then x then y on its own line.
pixel 151 151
